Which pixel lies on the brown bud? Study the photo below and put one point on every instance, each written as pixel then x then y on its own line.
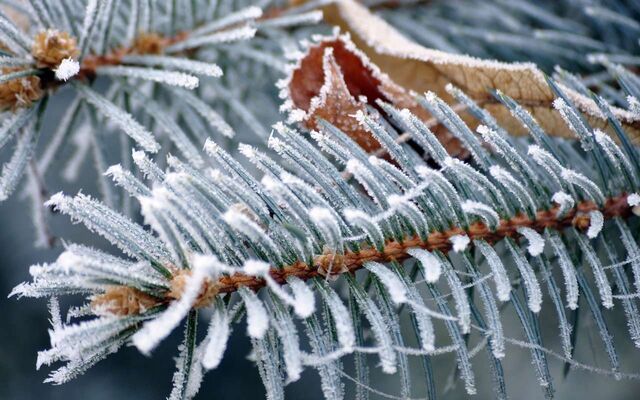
pixel 148 43
pixel 123 300
pixel 51 47
pixel 21 92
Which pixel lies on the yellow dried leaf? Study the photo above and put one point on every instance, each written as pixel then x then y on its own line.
pixel 420 69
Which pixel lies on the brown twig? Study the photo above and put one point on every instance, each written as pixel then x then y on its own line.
pixel 349 262
pixel 577 217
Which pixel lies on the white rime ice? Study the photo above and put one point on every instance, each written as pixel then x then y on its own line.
pixel 217 337
pixel 233 18
pixel 392 283
pixel 371 311
pixel 488 214
pixel 604 288
pixel 430 263
pixel 154 331
pixel 341 319
pixel 119 230
pixel 257 317
pixel 564 200
pixel 328 226
pixel 67 69
pixel 367 224
pixel 288 335
pixel 531 284
pixel 304 300
pixel 500 277
pixel 229 35
pixel 121 118
pixel 459 296
pixel 634 202
pixel 459 242
pixel 568 270
pixel 536 241
pixel 596 222
pixel 172 78
pixel 175 63
pixel 13 170
pixel 255 268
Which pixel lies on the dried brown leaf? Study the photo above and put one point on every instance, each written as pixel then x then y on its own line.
pixel 334 80
pixel 400 66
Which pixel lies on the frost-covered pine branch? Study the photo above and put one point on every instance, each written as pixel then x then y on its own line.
pixel 224 239
pixel 322 244
pixel 150 47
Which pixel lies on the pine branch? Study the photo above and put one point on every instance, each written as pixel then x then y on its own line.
pixel 335 264
pixel 372 186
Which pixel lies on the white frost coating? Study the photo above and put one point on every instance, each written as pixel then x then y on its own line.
pixel 233 18
pixel 249 152
pixel 342 320
pixel 536 241
pixel 563 199
pixel 568 270
pixel 127 180
pixel 430 263
pixel 500 277
pixel 54 311
pixel 534 299
pixel 604 287
pixel 395 287
pixel 68 260
pixel 13 170
pixel 584 183
pixel 484 211
pixel 255 268
pixel 634 201
pixel 72 342
pixel 328 225
pixel 634 106
pixel 288 335
pixel 245 225
pixel 366 223
pixel 226 36
pixel 119 230
pixel 305 302
pixel 319 214
pixel 187 377
pixel 596 222
pixel 154 331
pixel 566 113
pixel 290 20
pixel 67 69
pixel 617 157
pixel 172 78
pixel 512 185
pixel 89 20
pixel 175 63
pixel 546 161
pixel 257 317
pixel 148 168
pixel 121 118
pixel 459 242
pixel 217 337
pixel 459 295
